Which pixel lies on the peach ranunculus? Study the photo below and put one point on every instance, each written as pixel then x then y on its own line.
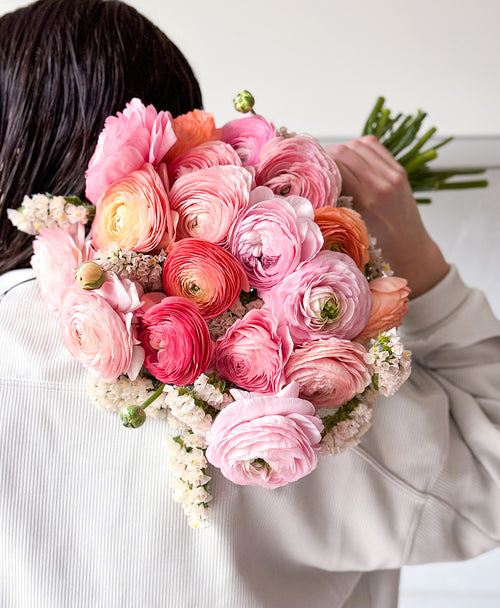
pixel 344 230
pixel 248 136
pixel 133 214
pixel 208 154
pixel 97 329
pixel 299 165
pixel 138 135
pixel 209 202
pixel 390 303
pixel 329 372
pixel 253 352
pixel 176 341
pixel 56 254
pixel 204 273
pixel 191 129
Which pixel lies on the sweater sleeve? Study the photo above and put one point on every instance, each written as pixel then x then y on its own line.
pixel 455 340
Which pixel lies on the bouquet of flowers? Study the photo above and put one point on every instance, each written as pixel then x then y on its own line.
pixel 225 286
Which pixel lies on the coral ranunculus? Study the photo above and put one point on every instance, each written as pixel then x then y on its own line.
pixel 329 372
pixel 133 213
pixel 344 230
pixel 204 273
pixel 253 352
pixel 248 136
pixel 299 165
pixel 191 129
pixel 130 139
pixel 209 201
pixel 265 441
pixel 390 303
pixel 176 341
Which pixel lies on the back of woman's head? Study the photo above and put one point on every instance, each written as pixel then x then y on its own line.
pixel 64 66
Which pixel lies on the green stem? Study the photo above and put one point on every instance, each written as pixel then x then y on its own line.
pixel 420 160
pixel 153 397
pixel 368 128
pixel 420 143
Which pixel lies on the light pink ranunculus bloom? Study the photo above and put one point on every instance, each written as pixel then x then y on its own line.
pixel 327 297
pixel 248 136
pixel 209 201
pixel 97 328
pixel 56 255
pixel 176 340
pixel 299 165
pixel 265 441
pixel 207 154
pixel 253 352
pixel 273 237
pixel 130 139
pixel 329 372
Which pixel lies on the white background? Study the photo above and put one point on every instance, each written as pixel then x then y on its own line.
pixel 317 66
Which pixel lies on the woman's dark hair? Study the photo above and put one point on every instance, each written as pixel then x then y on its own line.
pixel 64 66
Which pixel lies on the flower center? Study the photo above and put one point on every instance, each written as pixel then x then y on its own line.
pixel 330 309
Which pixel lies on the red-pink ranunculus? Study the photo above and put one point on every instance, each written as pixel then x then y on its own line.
pixel 273 237
pixel 265 441
pixel 253 352
pixel 209 201
pixel 248 136
pixel 390 303
pixel 130 139
pixel 299 165
pixel 327 297
pixel 97 328
pixel 176 341
pixel 207 154
pixel 329 372
pixel 205 273
pixel 56 255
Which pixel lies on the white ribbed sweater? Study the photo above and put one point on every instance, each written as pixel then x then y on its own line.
pixel 86 513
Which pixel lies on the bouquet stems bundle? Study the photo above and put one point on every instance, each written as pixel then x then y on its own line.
pixel 400 135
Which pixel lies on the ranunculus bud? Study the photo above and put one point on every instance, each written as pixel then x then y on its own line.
pixel 133 416
pixel 244 102
pixel 90 275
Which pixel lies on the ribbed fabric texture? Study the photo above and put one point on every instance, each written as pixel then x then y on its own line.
pixel 87 517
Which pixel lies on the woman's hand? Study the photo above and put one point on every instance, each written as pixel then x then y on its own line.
pixel 382 194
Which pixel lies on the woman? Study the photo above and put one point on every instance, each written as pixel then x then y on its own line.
pixel 86 515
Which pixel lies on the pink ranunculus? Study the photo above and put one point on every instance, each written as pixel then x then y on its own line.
pixel 253 352
pixel 209 201
pixel 327 297
pixel 299 165
pixel 57 253
pixel 130 139
pixel 97 328
pixel 390 303
pixel 265 441
pixel 273 237
pixel 248 136
pixel 329 372
pixel 134 214
pixel 176 340
pixel 207 154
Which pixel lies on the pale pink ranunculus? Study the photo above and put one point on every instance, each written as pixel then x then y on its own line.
pixel 273 237
pixel 248 136
pixel 134 214
pixel 265 441
pixel 253 352
pixel 327 297
pixel 97 328
pixel 207 154
pixel 209 201
pixel 130 139
pixel 390 303
pixel 176 341
pixel 329 372
pixel 299 165
pixel 56 255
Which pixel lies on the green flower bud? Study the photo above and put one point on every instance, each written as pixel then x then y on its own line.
pixel 132 416
pixel 90 275
pixel 244 102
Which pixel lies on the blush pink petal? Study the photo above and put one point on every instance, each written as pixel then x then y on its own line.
pixel 248 136
pixel 206 155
